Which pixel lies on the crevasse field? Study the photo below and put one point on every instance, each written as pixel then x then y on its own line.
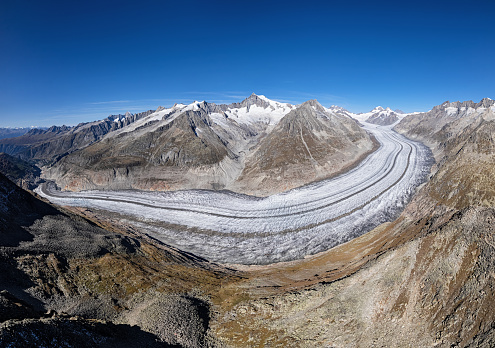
pixel 231 228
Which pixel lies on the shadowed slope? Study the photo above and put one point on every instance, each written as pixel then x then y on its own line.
pixel 59 261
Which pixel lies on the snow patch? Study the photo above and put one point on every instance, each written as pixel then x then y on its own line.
pixel 451 110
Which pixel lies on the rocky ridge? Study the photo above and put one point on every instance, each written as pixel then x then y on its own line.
pixel 45 146
pixel 379 116
pixel 24 174
pixel 308 144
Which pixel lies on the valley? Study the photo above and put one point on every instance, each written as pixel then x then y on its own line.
pixel 231 228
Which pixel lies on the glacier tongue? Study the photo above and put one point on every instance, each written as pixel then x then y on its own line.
pixel 233 228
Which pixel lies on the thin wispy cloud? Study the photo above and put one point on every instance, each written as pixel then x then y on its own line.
pixel 111 102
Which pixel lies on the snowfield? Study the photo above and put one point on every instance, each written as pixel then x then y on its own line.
pixel 232 228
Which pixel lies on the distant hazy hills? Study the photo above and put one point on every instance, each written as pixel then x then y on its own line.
pixel 13 132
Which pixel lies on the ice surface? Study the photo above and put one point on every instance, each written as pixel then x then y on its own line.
pixel 233 228
pixel 378 110
pixel 270 115
pixel 451 110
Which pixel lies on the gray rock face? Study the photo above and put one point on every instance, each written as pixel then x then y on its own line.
pixel 253 99
pixel 444 120
pixel 383 117
pixel 45 146
pixel 308 144
pixel 22 173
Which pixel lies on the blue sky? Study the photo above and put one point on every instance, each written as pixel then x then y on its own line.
pixel 65 62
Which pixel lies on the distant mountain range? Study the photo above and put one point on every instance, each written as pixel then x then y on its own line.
pixel 14 132
pixel 258 146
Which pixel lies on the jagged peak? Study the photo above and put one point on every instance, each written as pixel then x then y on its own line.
pixel 336 109
pixel 484 103
pixel 262 101
pixel 314 107
pixel 312 102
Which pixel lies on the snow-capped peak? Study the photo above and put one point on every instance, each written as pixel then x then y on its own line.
pixel 258 108
pixel 196 105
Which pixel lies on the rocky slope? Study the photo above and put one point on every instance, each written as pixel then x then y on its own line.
pixel 48 145
pixel 66 281
pixel 21 172
pixel 257 146
pixel 308 144
pixel 446 121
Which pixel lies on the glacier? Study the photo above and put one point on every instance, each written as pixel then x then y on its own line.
pixel 227 227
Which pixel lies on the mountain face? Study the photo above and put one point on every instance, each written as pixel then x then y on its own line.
pixel 445 120
pixel 308 144
pixel 21 172
pixel 383 117
pixel 461 136
pixel 424 278
pixel 48 145
pixel 245 147
pixel 380 116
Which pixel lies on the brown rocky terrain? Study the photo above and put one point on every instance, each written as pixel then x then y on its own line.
pixel 68 281
pixel 423 280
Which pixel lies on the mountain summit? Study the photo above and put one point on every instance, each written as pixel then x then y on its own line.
pixel 306 145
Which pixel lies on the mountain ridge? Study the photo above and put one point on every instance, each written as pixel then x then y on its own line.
pixel 204 145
